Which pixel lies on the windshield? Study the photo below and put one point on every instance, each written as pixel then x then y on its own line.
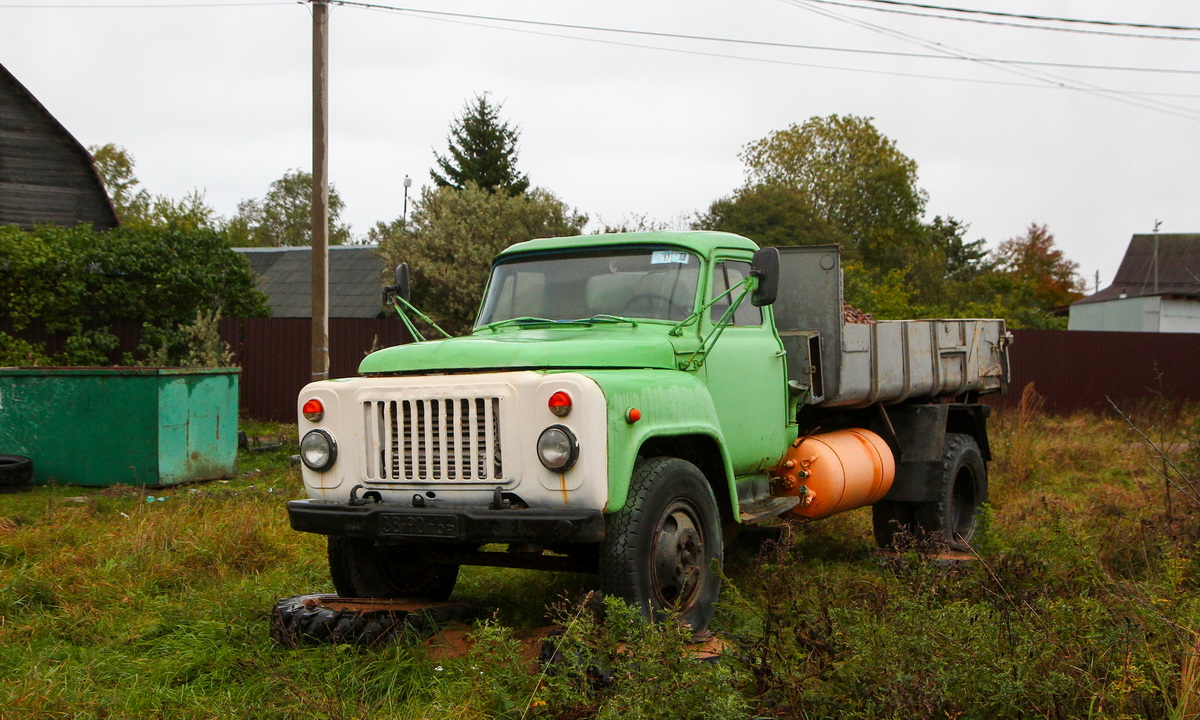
pixel 644 283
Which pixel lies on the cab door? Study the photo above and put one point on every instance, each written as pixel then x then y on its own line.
pixel 746 375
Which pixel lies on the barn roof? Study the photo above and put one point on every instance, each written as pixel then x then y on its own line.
pixel 46 175
pixel 1176 272
pixel 285 275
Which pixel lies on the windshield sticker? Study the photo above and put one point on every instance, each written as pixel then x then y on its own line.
pixel 660 257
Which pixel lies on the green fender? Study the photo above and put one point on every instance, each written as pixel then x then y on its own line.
pixel 671 403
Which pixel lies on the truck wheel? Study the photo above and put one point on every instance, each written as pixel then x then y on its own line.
pixel 964 490
pixel 889 519
pixel 659 548
pixel 360 568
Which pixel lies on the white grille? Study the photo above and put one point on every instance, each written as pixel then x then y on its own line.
pixel 433 440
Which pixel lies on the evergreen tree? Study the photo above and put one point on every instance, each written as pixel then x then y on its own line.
pixel 482 151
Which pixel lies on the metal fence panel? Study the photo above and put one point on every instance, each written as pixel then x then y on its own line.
pixel 1072 370
pixel 276 356
pixel 1075 370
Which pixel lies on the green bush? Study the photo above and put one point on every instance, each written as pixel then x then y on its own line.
pixel 78 282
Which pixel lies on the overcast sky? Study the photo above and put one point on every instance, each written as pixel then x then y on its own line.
pixel 217 96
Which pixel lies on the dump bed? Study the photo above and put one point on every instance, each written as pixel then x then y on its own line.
pixel 845 364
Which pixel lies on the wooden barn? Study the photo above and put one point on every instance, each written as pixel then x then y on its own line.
pixel 46 176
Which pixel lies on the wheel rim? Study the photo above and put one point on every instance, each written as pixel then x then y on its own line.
pixel 678 554
pixel 962 505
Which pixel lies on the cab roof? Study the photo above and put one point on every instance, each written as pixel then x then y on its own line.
pixel 701 242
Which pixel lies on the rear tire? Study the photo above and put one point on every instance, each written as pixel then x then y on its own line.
pixel 889 519
pixel 361 568
pixel 659 548
pixel 964 489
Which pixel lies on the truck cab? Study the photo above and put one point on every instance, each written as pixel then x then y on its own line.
pixel 625 400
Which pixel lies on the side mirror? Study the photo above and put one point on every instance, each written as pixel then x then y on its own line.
pixel 765 267
pixel 403 285
pixel 400 289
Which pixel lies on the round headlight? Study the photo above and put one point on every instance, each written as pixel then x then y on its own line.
pixel 557 448
pixel 318 450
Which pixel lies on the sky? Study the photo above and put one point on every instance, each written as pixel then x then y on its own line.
pixel 622 118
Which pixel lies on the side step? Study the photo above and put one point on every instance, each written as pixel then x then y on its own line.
pixel 755 512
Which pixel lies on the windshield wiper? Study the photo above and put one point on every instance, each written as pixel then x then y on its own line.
pixel 522 321
pixel 529 320
pixel 610 319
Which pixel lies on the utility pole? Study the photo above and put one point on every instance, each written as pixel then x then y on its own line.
pixel 320 192
pixel 1157 224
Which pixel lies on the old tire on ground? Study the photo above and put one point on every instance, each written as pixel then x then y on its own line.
pixel 659 548
pixel 328 619
pixel 963 490
pixel 15 470
pixel 305 619
pixel 889 518
pixel 360 568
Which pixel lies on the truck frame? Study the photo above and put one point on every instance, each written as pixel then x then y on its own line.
pixel 624 403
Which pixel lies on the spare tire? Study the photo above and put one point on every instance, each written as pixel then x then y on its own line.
pixel 15 470
pixel 330 619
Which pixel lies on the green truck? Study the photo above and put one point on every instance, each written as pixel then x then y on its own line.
pixel 625 403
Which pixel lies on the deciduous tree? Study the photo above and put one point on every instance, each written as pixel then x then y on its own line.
pixel 771 215
pixel 115 164
pixel 136 206
pixel 452 236
pixel 1047 277
pixel 283 218
pixel 856 180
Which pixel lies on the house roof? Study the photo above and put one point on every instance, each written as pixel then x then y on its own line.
pixel 1176 272
pixel 46 176
pixel 285 275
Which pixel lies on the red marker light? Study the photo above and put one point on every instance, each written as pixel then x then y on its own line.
pixel 313 410
pixel 632 415
pixel 560 403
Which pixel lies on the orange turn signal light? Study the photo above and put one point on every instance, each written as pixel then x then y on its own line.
pixel 313 410
pixel 560 404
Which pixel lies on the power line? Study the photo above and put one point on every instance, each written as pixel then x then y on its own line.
pixel 143 6
pixel 1036 75
pixel 1001 23
pixel 742 41
pixel 468 18
pixel 771 61
pixel 1043 18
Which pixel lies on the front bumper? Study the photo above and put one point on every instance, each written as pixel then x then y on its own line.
pixel 455 525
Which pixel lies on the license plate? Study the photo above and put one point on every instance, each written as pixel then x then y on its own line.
pixel 412 525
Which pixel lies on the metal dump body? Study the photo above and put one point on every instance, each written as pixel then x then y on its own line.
pixel 891 361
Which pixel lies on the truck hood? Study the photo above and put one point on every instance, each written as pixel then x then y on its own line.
pixel 595 347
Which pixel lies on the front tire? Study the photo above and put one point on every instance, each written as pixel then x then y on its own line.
pixel 361 568
pixel 659 548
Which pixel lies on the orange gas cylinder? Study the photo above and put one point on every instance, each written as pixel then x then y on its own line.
pixel 834 472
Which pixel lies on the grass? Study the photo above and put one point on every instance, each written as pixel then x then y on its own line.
pixel 1083 604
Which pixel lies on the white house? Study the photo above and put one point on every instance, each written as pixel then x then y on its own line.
pixel 1157 289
